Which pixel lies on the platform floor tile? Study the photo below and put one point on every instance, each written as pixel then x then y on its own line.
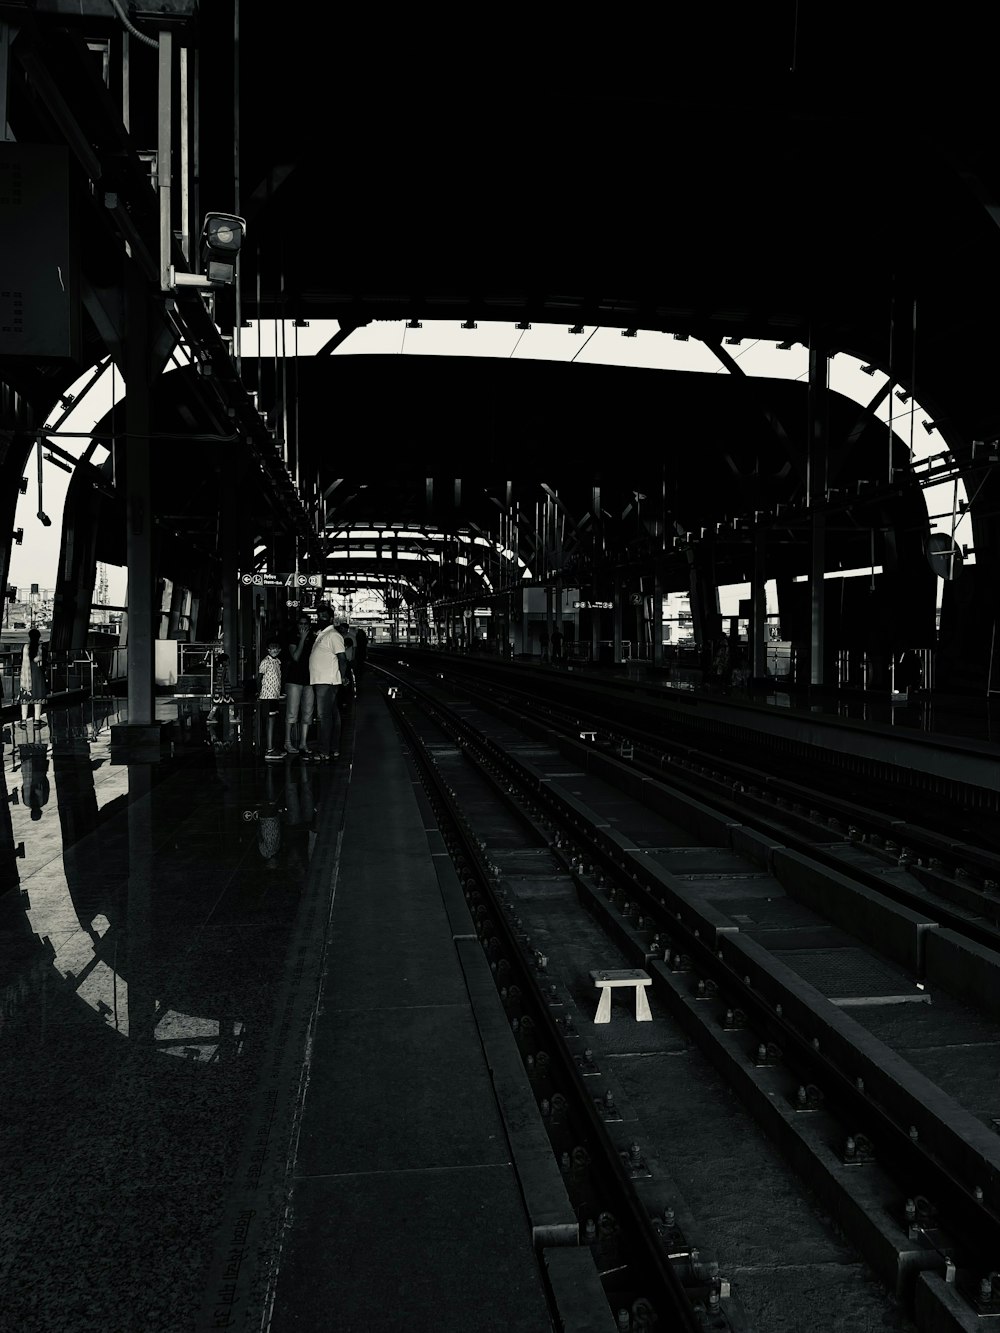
pixel 378 1253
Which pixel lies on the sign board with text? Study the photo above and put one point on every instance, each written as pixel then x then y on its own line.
pixel 282 580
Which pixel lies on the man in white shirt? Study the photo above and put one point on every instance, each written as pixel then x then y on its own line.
pixel 328 670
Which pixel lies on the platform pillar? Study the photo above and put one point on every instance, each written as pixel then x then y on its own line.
pixel 229 532
pixel 816 486
pixel 616 595
pixel 656 627
pixel 758 594
pixel 139 505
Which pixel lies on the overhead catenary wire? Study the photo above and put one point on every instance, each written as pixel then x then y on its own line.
pixel 584 343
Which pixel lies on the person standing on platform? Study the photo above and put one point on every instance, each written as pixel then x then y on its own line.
pixel 345 695
pixel 33 687
pixel 543 643
pixel 557 645
pixel 328 670
pixel 297 687
pixel 269 693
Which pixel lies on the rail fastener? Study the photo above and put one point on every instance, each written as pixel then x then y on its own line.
pixel 857 1150
pixel 767 1055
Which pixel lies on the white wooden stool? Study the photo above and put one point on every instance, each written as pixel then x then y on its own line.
pixel 626 976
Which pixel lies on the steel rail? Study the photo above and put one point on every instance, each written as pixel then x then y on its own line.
pixel 646 707
pixel 656 1276
pixel 928 844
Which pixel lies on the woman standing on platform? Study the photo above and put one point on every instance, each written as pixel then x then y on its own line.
pixel 33 688
pixel 298 707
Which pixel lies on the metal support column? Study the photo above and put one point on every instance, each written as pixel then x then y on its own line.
pixel 758 595
pixel 616 614
pixel 7 33
pixel 229 549
pixel 816 483
pixel 163 152
pixel 139 506
pixel 656 628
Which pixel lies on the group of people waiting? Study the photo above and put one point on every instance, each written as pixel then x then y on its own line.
pixel 317 670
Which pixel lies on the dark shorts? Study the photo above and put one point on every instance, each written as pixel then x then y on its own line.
pixel 270 707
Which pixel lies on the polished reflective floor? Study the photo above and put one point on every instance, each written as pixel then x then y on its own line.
pixel 146 915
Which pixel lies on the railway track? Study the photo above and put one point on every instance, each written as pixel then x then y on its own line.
pixel 951 853
pixel 908 1171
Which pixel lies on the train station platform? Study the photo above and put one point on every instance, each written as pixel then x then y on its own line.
pixel 406 1206
pixel 243 1074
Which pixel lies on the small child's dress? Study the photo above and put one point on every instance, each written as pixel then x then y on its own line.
pixel 270 678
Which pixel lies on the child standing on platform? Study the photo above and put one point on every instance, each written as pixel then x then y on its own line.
pixel 269 692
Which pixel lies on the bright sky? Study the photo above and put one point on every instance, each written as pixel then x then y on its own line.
pixel 36 561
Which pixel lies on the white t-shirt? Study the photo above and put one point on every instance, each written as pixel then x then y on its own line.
pixel 324 669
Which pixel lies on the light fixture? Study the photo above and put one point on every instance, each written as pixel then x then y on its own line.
pixel 929 426
pixel 785 346
pixel 902 395
pixel 470 324
pixel 577 328
pixel 733 342
pixel 301 323
pixel 24 485
pixel 416 324
pixel 18 536
pixel 868 370
pixel 524 326
pixel 682 337
pixel 629 333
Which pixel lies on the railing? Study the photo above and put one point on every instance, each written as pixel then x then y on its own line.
pixel 62 673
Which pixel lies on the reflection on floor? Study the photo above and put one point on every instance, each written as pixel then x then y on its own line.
pixel 145 911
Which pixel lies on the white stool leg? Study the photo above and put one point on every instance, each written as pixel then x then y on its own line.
pixel 642 1014
pixel 603 1014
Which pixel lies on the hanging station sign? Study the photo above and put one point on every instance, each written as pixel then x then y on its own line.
pixel 593 606
pixel 282 580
